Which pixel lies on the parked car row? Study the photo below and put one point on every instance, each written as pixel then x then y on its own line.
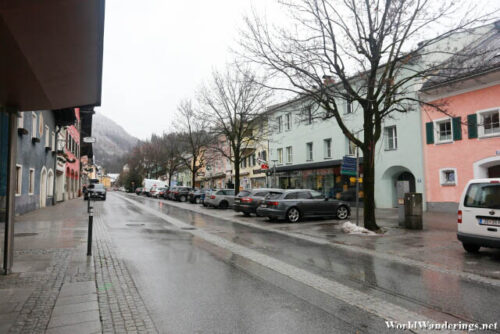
pixel 290 204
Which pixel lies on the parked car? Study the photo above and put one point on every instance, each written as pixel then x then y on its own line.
pixel 295 204
pixel 153 192
pixel 197 195
pixel 96 190
pixel 219 198
pixel 161 192
pixel 180 193
pixel 138 191
pixel 479 215
pixel 247 201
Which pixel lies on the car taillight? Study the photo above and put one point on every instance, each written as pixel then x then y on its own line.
pixel 176 192
pixel 459 220
pixel 212 197
pixel 272 203
pixel 494 181
pixel 246 199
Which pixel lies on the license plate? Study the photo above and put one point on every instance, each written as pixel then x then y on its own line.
pixel 237 200
pixel 489 221
pixel 263 206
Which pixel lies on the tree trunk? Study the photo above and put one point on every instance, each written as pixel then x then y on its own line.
pixel 193 177
pixel 369 188
pixel 236 177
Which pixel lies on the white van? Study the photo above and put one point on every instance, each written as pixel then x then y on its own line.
pixel 479 215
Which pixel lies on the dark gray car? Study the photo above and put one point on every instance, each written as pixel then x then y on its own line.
pixel 296 204
pixel 247 201
pixel 96 191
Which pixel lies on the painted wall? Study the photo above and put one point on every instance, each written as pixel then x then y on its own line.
pixel 34 155
pixel 459 154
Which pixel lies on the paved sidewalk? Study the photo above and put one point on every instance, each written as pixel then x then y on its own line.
pixel 56 288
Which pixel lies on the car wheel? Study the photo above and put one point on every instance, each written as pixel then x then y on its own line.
pixel 182 198
pixel 223 205
pixel 293 215
pixel 104 198
pixel 342 212
pixel 197 200
pixel 471 248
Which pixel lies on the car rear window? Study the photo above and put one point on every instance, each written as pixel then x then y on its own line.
pixel 261 194
pixel 244 193
pixel 483 195
pixel 291 196
pixel 229 192
pixel 98 186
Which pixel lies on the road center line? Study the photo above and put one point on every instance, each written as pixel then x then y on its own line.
pixel 363 301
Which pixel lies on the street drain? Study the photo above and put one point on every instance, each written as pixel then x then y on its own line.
pixel 24 234
pixel 188 228
pixel 134 224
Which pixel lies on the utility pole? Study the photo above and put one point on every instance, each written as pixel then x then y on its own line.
pixel 357 186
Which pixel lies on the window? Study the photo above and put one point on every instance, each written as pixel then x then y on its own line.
pixel 31 189
pixel 490 121
pixel 483 195
pixel 309 115
pixel 50 183
pixel 263 155
pixel 327 143
pixel 291 196
pixel 448 176
pixel 309 151
pixel 304 195
pixel 34 125
pixel 288 122
pixel 47 137
pixel 316 194
pixel 289 154
pixel 351 147
pixel 348 107
pixel 19 180
pixel 40 125
pixel 53 141
pixel 280 155
pixel 20 120
pixel 280 123
pixel 391 139
pixel 443 130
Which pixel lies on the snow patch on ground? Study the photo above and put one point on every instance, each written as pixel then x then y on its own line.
pixel 351 228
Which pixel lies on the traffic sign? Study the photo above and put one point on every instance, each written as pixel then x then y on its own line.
pixel 348 166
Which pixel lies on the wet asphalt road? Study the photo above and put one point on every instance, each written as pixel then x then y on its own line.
pixel 192 285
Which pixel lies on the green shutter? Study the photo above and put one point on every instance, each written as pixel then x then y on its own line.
pixel 457 128
pixel 472 125
pixel 429 129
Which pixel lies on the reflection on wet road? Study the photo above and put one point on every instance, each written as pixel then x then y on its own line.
pixel 191 289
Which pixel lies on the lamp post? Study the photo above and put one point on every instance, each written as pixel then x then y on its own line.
pixel 274 173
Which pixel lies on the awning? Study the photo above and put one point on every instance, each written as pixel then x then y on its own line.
pixel 51 53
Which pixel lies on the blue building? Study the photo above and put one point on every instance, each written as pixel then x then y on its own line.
pixel 36 157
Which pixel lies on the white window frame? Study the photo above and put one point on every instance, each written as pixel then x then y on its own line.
pixel 279 153
pixel 351 147
pixel 348 107
pixel 19 180
pixel 20 120
pixel 40 125
pixel 288 122
pixel 47 136
pixel 309 151
pixel 280 123
pixel 394 138
pixel 442 179
pixel 438 122
pixel 34 125
pixel 289 154
pixel 327 145
pixel 309 115
pixel 31 179
pixel 53 141
pixel 480 114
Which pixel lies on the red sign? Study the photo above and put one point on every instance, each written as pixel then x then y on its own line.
pixel 264 166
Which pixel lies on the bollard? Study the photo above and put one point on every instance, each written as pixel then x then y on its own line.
pixel 91 221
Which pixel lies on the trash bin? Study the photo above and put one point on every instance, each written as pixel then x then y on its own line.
pixel 413 211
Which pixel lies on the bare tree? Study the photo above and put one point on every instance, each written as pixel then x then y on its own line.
pixel 171 151
pixel 194 137
pixel 234 103
pixel 362 52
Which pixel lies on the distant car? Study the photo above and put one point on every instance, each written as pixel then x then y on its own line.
pixel 247 201
pixel 219 198
pixel 479 215
pixel 138 191
pixel 161 192
pixel 153 192
pixel 197 195
pixel 96 190
pixel 180 193
pixel 293 205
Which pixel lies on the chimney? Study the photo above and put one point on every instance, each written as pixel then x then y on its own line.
pixel 328 80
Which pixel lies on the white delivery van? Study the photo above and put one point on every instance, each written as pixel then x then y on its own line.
pixel 479 215
pixel 147 184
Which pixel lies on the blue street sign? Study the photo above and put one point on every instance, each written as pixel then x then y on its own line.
pixel 348 166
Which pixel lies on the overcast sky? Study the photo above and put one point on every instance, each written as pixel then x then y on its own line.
pixel 157 52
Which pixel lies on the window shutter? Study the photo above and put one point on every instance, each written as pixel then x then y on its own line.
pixel 429 129
pixel 457 128
pixel 472 125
